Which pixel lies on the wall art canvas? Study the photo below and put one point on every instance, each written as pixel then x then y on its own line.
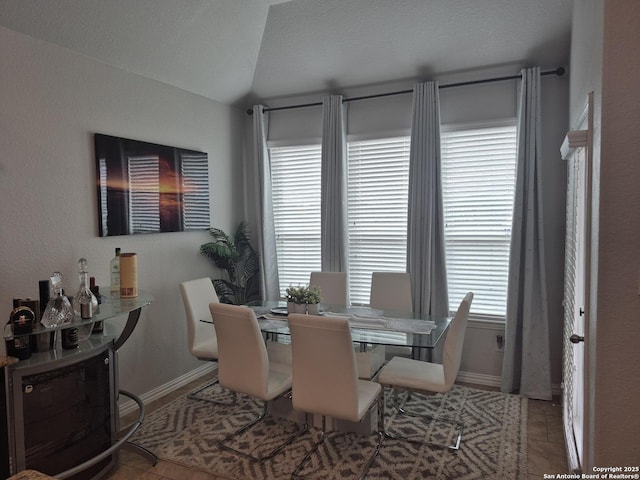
pixel 147 188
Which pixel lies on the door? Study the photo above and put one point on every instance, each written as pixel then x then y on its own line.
pixel 577 285
pixel 576 333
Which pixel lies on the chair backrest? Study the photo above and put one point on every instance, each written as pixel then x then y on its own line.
pixel 197 295
pixel 243 363
pixel 452 352
pixel 324 366
pixel 391 291
pixel 333 286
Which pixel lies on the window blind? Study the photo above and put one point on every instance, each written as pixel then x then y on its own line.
pixel 295 185
pixel 378 183
pixel 195 188
pixel 478 176
pixel 144 194
pixel 103 194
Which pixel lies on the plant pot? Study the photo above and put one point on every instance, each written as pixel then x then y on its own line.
pixel 313 308
pixel 296 307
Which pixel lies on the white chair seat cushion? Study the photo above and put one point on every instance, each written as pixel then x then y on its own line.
pixel 205 348
pixel 279 380
pixel 279 369
pixel 369 362
pixel 279 352
pixel 413 374
pixel 367 394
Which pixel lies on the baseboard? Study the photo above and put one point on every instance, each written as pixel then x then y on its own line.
pixel 479 379
pixel 130 406
pixel 494 381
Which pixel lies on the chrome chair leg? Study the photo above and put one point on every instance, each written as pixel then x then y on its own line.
pixel 314 449
pixel 194 394
pixel 372 458
pixel 431 418
pixel 261 459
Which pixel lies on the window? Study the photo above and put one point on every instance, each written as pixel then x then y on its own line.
pixel 295 178
pixel 478 176
pixel 378 183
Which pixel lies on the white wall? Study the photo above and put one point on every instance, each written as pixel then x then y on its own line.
pixel 51 103
pixel 477 103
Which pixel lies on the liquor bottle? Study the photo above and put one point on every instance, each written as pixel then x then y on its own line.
pixel 114 269
pixel 85 302
pixel 59 310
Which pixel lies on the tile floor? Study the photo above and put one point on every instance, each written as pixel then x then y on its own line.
pixel 546 450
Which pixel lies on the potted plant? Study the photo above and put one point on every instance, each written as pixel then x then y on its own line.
pixel 240 262
pixel 303 299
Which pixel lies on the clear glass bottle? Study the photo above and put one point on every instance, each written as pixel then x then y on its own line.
pixel 85 302
pixel 114 270
pixel 59 310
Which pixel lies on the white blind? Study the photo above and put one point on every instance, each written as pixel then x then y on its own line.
pixel 195 188
pixel 144 194
pixel 295 177
pixel 103 195
pixel 478 176
pixel 378 183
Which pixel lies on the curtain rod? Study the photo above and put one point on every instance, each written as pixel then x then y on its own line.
pixel 558 71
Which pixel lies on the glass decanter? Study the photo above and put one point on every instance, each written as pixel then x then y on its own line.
pixel 59 310
pixel 85 302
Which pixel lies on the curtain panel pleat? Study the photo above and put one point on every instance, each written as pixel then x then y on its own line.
pixel 526 363
pixel 334 240
pixel 425 226
pixel 265 231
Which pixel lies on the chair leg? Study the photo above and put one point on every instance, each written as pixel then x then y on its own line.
pixel 261 459
pixel 454 446
pixel 380 434
pixel 367 466
pixel 314 449
pixel 194 395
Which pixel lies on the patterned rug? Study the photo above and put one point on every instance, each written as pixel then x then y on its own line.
pixel 494 440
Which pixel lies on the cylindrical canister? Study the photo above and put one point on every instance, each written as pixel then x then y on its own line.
pixel 128 275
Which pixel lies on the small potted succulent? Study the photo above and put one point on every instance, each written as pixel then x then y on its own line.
pixel 303 299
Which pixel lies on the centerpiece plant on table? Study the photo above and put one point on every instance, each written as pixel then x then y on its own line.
pixel 303 299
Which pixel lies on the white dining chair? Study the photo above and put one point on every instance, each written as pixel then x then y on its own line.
pixel 430 378
pixel 244 366
pixel 391 291
pixel 325 379
pixel 202 341
pixel 333 290
pixel 332 285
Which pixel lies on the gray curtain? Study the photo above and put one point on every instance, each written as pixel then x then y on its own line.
pixel 266 237
pixel 526 363
pixel 334 240
pixel 425 227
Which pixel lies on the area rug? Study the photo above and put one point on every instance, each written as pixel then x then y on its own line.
pixel 188 432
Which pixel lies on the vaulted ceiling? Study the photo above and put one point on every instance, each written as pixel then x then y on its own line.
pixel 237 51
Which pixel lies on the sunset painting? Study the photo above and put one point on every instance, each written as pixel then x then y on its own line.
pixel 148 188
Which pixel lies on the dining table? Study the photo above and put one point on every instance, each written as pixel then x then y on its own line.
pixel 369 326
